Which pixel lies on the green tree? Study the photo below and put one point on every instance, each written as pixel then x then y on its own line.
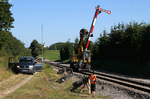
pixel 66 50
pixel 64 53
pixel 124 42
pixel 6 19
pixel 9 45
pixel 76 44
pixel 36 48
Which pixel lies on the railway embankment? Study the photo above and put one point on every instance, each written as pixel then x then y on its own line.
pixel 118 86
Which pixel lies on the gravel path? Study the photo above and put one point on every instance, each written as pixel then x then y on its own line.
pixel 12 84
pixel 9 79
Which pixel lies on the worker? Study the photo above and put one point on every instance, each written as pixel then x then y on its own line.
pixel 92 81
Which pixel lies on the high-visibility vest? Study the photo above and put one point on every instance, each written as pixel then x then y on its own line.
pixel 92 79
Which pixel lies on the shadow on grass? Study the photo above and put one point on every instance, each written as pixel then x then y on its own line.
pixel 13 67
pixel 63 61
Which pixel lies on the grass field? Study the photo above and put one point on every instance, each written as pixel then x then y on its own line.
pixel 44 86
pixel 4 72
pixel 52 55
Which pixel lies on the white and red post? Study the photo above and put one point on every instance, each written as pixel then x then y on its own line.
pixel 98 11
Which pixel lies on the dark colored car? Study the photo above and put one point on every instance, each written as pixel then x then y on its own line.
pixel 26 64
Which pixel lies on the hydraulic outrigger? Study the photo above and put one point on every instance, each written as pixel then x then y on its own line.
pixel 82 58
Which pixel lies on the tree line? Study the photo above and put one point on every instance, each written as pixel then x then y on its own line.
pixel 125 49
pixel 128 42
pixel 9 45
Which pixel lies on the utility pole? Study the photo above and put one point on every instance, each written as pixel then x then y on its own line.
pixel 42 42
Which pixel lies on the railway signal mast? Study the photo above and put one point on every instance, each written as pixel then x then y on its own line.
pixel 82 59
pixel 98 11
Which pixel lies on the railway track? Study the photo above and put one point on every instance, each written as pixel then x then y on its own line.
pixel 137 86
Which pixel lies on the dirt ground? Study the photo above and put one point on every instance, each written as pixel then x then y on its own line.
pixel 14 82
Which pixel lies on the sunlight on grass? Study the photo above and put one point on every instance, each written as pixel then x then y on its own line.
pixel 44 86
pixel 52 55
pixel 4 72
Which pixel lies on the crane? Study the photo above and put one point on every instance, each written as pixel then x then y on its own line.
pixel 82 58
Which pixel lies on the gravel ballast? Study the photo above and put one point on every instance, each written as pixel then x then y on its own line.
pixel 106 89
pixel 110 90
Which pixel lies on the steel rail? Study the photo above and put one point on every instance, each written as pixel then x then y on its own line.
pixel 144 87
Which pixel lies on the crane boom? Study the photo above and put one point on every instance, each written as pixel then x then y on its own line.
pixel 81 60
pixel 97 12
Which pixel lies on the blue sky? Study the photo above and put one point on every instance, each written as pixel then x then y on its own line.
pixel 63 19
